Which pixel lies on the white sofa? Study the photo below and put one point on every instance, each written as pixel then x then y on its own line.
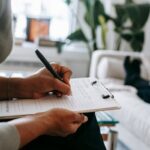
pixel 134 116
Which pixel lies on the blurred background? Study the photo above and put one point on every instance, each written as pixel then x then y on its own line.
pixel 91 37
pixel 68 31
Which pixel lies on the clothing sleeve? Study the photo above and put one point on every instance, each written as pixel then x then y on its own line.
pixel 9 137
pixel 5 29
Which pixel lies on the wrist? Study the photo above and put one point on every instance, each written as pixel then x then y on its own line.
pixel 45 122
pixel 3 88
pixel 18 88
pixel 29 128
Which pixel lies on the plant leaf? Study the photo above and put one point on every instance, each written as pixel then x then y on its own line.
pixel 95 8
pixel 136 46
pixel 145 10
pixel 138 13
pixel 99 10
pixel 89 18
pixel 121 15
pixel 67 2
pixel 127 36
pixel 88 3
pixel 78 35
pixel 129 1
pixel 136 40
pixel 104 30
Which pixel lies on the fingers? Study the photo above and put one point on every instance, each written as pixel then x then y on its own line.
pixel 66 75
pixel 64 72
pixel 50 83
pixel 37 95
pixel 80 118
pixel 61 87
pixel 63 122
pixel 58 94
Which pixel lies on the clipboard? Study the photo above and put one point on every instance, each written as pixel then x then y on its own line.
pixel 88 95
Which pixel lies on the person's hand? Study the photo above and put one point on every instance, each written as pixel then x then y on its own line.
pixel 55 122
pixel 61 122
pixel 42 82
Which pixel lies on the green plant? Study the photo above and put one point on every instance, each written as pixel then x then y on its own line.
pixel 93 18
pixel 129 22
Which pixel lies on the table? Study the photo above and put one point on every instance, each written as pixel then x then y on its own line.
pixel 107 123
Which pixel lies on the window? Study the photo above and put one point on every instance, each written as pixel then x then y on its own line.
pixel 57 10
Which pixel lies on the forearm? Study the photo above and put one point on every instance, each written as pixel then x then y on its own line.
pixel 13 88
pixel 19 88
pixel 29 128
pixel 3 88
pixel 55 122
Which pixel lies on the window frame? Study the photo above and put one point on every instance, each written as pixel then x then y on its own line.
pixel 72 21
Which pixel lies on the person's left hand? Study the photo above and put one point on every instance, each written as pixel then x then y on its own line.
pixel 42 82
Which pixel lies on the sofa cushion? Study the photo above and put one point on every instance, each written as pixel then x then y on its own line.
pixel 134 112
pixel 134 115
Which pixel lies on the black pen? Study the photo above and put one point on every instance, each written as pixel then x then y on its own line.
pixel 48 65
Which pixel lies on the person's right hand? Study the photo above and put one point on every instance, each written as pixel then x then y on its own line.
pixel 40 84
pixel 61 122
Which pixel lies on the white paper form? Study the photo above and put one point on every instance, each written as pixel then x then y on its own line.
pixel 85 98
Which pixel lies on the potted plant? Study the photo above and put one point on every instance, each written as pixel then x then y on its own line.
pixel 94 17
pixel 129 22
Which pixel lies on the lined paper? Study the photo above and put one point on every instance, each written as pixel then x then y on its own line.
pixel 85 97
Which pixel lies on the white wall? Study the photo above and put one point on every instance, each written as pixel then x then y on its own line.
pixel 23 58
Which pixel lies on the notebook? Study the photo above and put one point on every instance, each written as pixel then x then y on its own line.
pixel 87 95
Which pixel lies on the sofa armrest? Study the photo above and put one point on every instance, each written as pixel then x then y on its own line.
pixel 98 55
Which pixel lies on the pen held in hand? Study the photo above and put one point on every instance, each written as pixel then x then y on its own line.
pixel 50 69
pixel 48 65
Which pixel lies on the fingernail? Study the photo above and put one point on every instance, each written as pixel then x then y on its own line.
pixel 59 94
pixel 69 93
pixel 85 119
